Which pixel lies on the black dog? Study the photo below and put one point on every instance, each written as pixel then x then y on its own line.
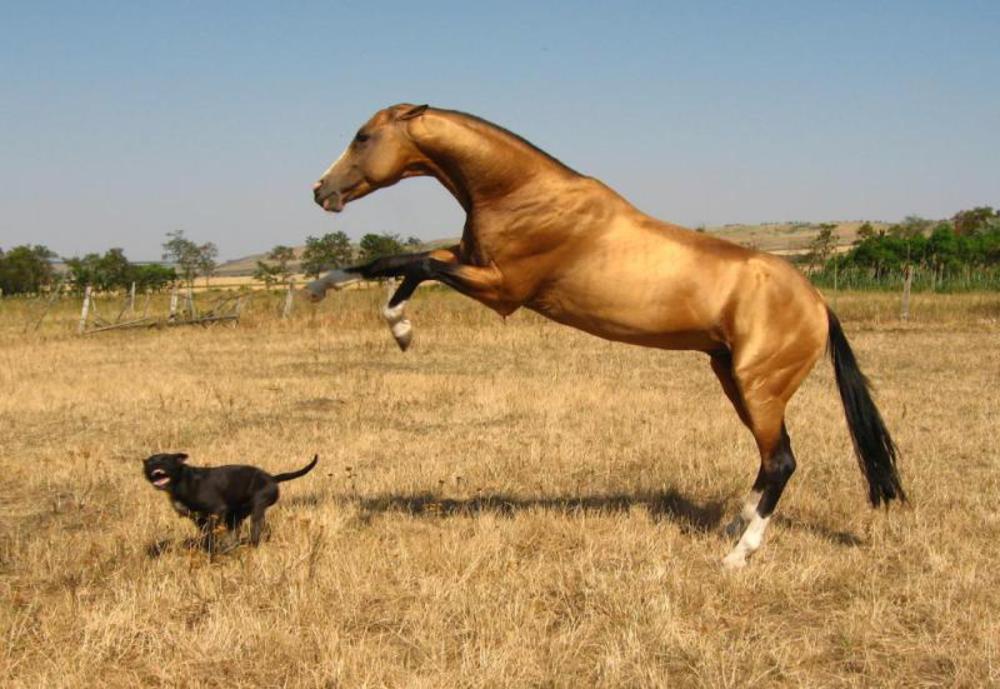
pixel 226 494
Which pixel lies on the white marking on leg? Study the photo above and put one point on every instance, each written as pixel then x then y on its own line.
pixel 749 510
pixel 749 542
pixel 335 279
pixel 746 513
pixel 399 324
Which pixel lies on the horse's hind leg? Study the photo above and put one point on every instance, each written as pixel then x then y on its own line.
pixel 777 464
pixel 722 366
pixel 764 388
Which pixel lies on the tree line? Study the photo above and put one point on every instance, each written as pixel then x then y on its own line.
pixel 332 250
pixel 28 269
pixel 960 253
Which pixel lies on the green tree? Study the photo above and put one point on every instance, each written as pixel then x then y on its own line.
pixel 276 266
pixel 184 253
pixel 332 250
pixel 282 256
pixel 114 270
pixel 822 245
pixel 865 231
pixel 207 255
pixel 969 222
pixel 26 269
pixel 912 226
pixel 266 273
pixel 377 245
pixel 153 276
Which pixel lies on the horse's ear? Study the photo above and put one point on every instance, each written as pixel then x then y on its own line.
pixel 412 111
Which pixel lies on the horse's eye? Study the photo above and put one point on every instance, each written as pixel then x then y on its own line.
pixel 361 138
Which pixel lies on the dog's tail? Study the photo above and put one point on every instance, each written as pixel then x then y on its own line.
pixel 295 474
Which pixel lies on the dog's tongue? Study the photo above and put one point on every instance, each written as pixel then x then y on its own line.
pixel 160 482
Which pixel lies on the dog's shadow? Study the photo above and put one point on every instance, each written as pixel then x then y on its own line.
pixel 193 544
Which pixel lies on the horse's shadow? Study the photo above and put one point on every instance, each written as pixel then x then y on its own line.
pixel 691 516
pixel 670 505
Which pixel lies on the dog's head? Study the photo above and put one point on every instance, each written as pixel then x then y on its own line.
pixel 162 470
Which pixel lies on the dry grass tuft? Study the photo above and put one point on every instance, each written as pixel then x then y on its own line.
pixel 505 505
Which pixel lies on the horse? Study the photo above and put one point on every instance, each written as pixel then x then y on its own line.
pixel 542 236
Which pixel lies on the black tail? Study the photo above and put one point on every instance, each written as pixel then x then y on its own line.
pixel 295 474
pixel 872 443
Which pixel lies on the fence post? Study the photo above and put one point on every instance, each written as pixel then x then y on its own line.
pixel 907 281
pixel 192 314
pixel 289 294
pixel 131 300
pixel 173 304
pixel 84 311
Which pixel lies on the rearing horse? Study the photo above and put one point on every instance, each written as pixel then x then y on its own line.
pixel 540 235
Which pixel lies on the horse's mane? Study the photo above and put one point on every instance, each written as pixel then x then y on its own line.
pixel 508 133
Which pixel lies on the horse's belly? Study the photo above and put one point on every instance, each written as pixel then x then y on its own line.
pixel 647 329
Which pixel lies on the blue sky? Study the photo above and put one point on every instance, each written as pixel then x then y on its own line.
pixel 122 121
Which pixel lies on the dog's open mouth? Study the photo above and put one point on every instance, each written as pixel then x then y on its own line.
pixel 159 478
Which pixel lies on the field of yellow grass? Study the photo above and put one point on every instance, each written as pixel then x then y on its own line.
pixel 508 504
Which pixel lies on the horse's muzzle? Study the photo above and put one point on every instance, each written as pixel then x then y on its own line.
pixel 329 201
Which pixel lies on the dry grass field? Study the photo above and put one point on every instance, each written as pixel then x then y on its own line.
pixel 508 504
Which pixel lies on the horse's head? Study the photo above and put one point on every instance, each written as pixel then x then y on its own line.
pixel 380 155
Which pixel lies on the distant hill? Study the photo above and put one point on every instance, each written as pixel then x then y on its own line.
pixel 786 238
pixel 789 238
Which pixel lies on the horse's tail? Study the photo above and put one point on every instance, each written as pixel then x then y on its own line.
pixel 295 474
pixel 873 445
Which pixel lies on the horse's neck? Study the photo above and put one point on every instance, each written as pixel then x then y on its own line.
pixel 479 163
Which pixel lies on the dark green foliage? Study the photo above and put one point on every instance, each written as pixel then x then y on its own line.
pixel 332 250
pixel 942 258
pixel 377 245
pixel 113 271
pixel 153 276
pixel 26 269
pixel 972 221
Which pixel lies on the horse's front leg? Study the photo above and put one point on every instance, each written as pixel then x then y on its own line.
pixel 485 284
pixel 386 267
pixel 482 283
pixel 410 267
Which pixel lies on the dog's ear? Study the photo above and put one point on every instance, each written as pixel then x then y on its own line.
pixel 180 456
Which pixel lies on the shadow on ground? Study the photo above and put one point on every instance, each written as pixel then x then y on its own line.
pixel 670 505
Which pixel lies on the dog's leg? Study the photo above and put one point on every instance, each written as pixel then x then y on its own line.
pixel 208 525
pixel 257 521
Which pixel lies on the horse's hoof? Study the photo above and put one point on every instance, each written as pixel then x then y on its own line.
pixel 405 339
pixel 315 291
pixel 734 561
